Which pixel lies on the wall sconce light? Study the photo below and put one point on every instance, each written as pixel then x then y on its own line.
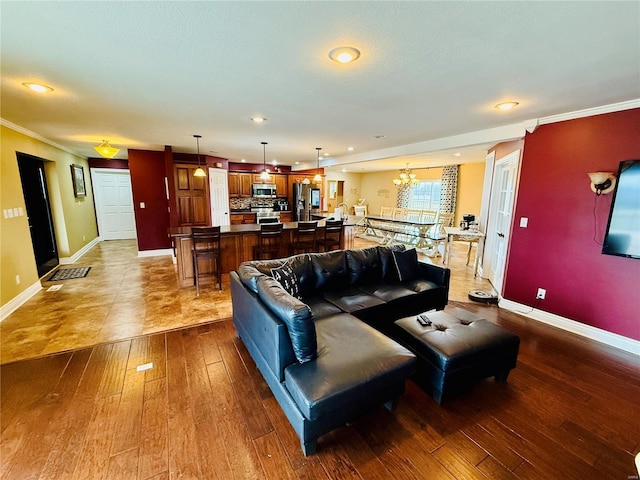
pixel 602 182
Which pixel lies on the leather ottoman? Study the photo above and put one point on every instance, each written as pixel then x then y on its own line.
pixel 456 350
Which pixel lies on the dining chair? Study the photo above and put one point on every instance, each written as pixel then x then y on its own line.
pixel 206 246
pixel 268 246
pixel 386 212
pixel 332 236
pixel 437 234
pixel 304 238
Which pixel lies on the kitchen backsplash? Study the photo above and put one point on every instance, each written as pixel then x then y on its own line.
pixel 239 203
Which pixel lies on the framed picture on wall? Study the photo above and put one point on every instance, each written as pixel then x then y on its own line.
pixel 77 177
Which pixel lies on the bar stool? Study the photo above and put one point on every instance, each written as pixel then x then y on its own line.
pixel 332 236
pixel 304 238
pixel 206 245
pixel 269 242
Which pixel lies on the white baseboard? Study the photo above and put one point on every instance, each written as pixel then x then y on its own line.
pixel 76 256
pixel 155 253
pixel 19 300
pixel 613 339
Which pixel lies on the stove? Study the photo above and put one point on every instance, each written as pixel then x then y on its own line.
pixel 266 215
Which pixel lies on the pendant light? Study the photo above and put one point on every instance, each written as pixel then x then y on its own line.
pixel 199 171
pixel 318 178
pixel 265 174
pixel 106 150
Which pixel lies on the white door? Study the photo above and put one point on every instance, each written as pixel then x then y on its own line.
pixel 500 215
pixel 114 203
pixel 219 196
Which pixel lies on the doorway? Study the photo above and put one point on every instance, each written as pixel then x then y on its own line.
pixel 114 203
pixel 36 199
pixel 503 194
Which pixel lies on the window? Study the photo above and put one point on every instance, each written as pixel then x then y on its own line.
pixel 425 196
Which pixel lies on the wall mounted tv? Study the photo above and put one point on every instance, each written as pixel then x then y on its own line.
pixel 623 229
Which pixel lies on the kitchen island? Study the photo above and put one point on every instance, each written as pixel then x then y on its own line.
pixel 236 244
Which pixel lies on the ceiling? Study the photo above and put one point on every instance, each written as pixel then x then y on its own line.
pixel 148 74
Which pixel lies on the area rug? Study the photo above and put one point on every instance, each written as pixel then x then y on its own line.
pixel 69 273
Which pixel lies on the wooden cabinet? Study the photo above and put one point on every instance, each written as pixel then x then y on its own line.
pixel 242 218
pixel 240 184
pixel 234 184
pixel 191 196
pixel 286 217
pixel 282 188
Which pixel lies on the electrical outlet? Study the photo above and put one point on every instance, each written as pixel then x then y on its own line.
pixel 541 294
pixel 17 279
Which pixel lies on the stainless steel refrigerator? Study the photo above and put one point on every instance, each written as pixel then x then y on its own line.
pixel 306 201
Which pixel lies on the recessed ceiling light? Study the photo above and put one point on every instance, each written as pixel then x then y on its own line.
pixel 297 163
pixel 344 170
pixel 243 160
pixel 258 119
pixel 506 105
pixel 457 154
pixel 38 87
pixel 326 154
pixel 351 149
pixel 344 54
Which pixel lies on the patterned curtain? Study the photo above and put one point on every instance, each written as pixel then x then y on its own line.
pixel 448 190
pixel 404 195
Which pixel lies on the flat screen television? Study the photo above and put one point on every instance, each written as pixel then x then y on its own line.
pixel 623 229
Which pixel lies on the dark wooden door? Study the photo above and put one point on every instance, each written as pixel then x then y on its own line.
pixel 192 196
pixel 36 198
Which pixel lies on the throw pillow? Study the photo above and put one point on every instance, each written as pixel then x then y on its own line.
pixel 287 278
pixel 407 266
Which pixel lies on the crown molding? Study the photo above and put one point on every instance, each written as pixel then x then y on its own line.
pixel 37 136
pixel 589 112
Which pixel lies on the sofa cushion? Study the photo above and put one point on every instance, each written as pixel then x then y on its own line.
pixel 419 285
pixel 320 307
pixel 352 299
pixel 295 315
pixel 406 263
pixel 386 261
pixel 330 269
pixel 285 276
pixel 354 361
pixel 364 266
pixel 387 291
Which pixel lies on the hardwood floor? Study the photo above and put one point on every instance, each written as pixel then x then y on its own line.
pixel 569 409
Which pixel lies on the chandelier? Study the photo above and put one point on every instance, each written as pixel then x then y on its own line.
pixel 406 178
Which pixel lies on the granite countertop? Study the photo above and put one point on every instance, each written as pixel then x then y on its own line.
pixel 249 228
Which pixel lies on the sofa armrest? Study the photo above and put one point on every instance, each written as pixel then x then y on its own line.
pixel 441 276
pixel 263 333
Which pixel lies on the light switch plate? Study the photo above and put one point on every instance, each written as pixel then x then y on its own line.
pixel 524 221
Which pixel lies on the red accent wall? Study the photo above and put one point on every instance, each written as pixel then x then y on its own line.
pixel 560 249
pixel 147 182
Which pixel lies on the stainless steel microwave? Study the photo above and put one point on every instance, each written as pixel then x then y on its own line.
pixel 263 190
